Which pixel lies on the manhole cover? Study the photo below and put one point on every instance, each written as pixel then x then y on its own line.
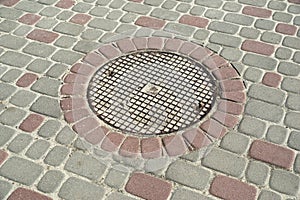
pixel 151 93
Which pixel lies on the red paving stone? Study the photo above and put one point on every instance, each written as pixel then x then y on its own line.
pixel 194 21
pixel 196 138
pixel 200 53
pixel 232 85
pixel 76 115
pixel 109 51
pixel 214 128
pixel 155 43
pixel 257 12
pixel 234 96
pixel 148 187
pixel 42 36
pixel 75 78
pixel 225 73
pixel 286 29
pixel 231 107
pixel 94 59
pixel 173 44
pixel 96 136
pixel 151 147
pixel 83 69
pixel 150 22
pixel 9 3
pixel 112 141
pixel 26 194
pixel 72 103
pixel 31 123
pixel 130 147
pixel 272 153
pixel 187 47
pixel 84 126
pixel 272 79
pixel 26 80
pixel 126 45
pixel 232 189
pixel 258 47
pixel 140 43
pixel 29 19
pixel 3 156
pixel 72 89
pixel 215 61
pixel 174 145
pixel 226 119
pixel 294 1
pixel 65 4
pixel 80 19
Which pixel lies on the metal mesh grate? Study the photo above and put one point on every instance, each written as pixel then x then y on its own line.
pixel 151 92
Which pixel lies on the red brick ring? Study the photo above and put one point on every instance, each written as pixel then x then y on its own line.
pixel 228 108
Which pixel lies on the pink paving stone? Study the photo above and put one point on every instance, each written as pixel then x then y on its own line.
pixel 130 147
pixel 72 89
pixel 72 103
pixel 148 187
pixel 155 43
pixel 3 156
pixel 112 141
pixel 31 123
pixel 272 79
pixel 258 47
pixel 187 47
pixel 213 128
pixel 26 80
pixel 272 153
pixel 26 194
pixel 286 29
pixel 96 136
pixel 29 19
pixel 76 115
pixel 227 120
pixel 83 69
pixel 140 43
pixel 294 1
pixel 194 21
pixel 9 3
pixel 232 85
pixel 65 4
pixel 173 44
pixel 232 189
pixel 75 78
pixel 257 12
pixel 42 36
pixel 231 107
pixel 80 19
pixel 109 51
pixel 84 126
pixel 94 59
pixel 215 61
pixel 151 148
pixel 126 45
pixel 150 22
pixel 225 73
pixel 238 96
pixel 196 138
pixel 200 53
pixel 174 145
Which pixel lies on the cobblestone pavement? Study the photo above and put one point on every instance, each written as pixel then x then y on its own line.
pixel 42 157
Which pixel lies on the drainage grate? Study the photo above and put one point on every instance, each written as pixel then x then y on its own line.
pixel 151 93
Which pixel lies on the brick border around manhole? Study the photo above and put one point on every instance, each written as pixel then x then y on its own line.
pixel 226 114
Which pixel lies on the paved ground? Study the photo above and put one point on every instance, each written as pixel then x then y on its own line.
pixel 41 157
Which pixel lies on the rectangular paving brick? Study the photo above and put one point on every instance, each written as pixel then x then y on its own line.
pixel 26 194
pixel 286 29
pixel 271 153
pixel 285 182
pixel 150 22
pixel 256 12
pixel 42 36
pixel 31 123
pixel 258 47
pixel 194 21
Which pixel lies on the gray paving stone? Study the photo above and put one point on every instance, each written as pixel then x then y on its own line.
pixel 10 13
pixel 197 10
pixel 126 29
pixel 257 173
pixel 183 7
pixel 114 15
pixel 283 53
pixel 292 120
pixel 85 46
pixel 153 2
pixel 49 11
pixel 201 34
pixel 289 69
pixel 277 5
pixel 282 17
pixel 21 170
pixel 37 149
pixel 12 116
pixel 69 28
pixel 56 156
pixel 156 165
pixel 291 85
pixel 116 4
pixel 8 26
pixel 66 56
pixel 271 37
pixel 22 30
pixel 137 8
pixel 103 24
pixel 65 136
pixel 188 175
pixel 116 178
pixel 81 7
pixel 65 41
pixel 294 140
pixel 102 2
pixel 239 19
pixel 258 61
pixel 42 86
pixel 49 128
pixel 249 33
pixel 19 143
pixel 39 49
pixel 39 65
pixel 267 94
pixel 232 7
pixel 194 156
pixel 47 106
pixel 75 188
pixel 164 14
pixel 264 24
pixel 99 11
pixel 50 181
pixel 284 182
pixel 183 193
pixel 85 165
pixel 292 42
pixel 2 69
pixel 169 4
pixel 223 27
pixel 5 188
pixel 81 144
pixel 295 9
pixel 297 164
pixel 276 134
pixel 253 74
pixel 162 34
pixel 12 42
pixel 231 54
pixel 180 29
pixel 267 195
pixel 293 102
pixel 254 2
pixel 296 57
pixel 226 40
pixel 29 6
pixel 91 34
pixel 118 196
pixel 47 23
pixel 209 3
pixel 235 142
pixel 128 18
pixel 6 90
pixel 136 163
pixel 47 2
pixel 64 15
pixel 214 47
pixel 214 14
pixel 15 59
pixel 57 71
pixel 5 134
pixel 252 126
pixel 11 75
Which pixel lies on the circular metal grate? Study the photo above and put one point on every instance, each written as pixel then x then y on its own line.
pixel 151 92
